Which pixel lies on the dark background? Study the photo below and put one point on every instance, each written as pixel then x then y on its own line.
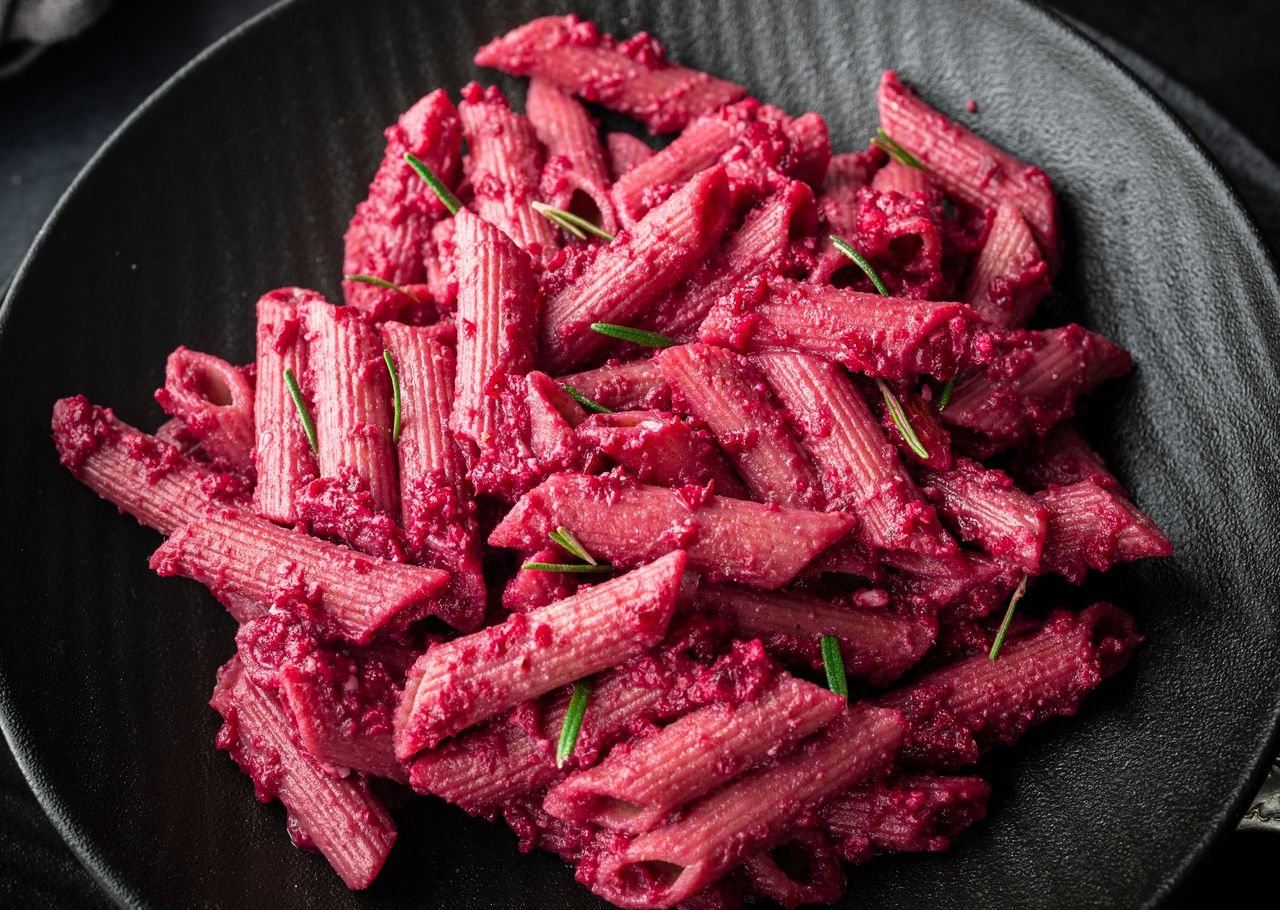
pixel 54 115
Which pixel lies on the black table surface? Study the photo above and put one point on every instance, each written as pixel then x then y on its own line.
pixel 55 114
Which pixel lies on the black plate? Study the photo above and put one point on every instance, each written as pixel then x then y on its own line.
pixel 239 176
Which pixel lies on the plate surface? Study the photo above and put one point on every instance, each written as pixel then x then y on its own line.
pixel 240 175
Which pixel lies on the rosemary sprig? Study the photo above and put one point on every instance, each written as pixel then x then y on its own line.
pixel 437 185
pixel 894 150
pixel 1008 618
pixel 574 224
pixel 573 721
pixel 845 247
pixel 833 663
pixel 395 395
pixel 383 283
pixel 900 420
pixel 890 400
pixel 300 403
pixel 635 336
pixel 583 400
pixel 945 398
pixel 564 538
pixel 577 567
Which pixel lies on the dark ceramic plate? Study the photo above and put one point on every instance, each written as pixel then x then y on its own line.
pixel 239 176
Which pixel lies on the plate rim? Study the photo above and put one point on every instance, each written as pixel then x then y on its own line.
pixel 14 727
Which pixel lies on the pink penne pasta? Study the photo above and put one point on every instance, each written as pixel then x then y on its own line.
pixel 922 415
pixel 575 177
pixel 216 402
pixel 518 760
pixel 838 207
pixel 282 455
pixel 351 392
pixel 764 245
pixel 875 645
pixel 635 385
pixel 859 471
pixel 333 737
pixel 969 167
pixel 625 152
pixel 458 684
pixel 391 235
pixel 636 269
pixel 662 449
pixel 632 790
pixel 442 282
pixel 504 165
pixel 632 77
pixel 965 588
pixel 436 503
pixel 896 177
pixel 242 556
pixel 343 511
pixel 518 750
pixel 668 864
pixel 531 589
pixel 698 148
pixel 812 875
pixel 983 506
pixel 1009 276
pixel 1063 458
pixel 977 703
pixel 339 816
pixel 759 146
pixel 629 524
pixel 810 151
pixel 552 416
pixel 724 391
pixel 1092 527
pixel 1032 386
pixel 135 472
pixel 881 336
pixel 905 814
pixel 497 322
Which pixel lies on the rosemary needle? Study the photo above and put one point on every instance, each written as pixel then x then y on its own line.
pixel 383 283
pixel 1008 618
pixel 573 721
pixel 437 185
pixel 395 395
pixel 300 403
pixel 833 663
pixel 583 400
pixel 635 336
pixel 575 225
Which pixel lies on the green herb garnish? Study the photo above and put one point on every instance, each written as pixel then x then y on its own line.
pixel 894 150
pixel 575 225
pixel 564 538
pixel 945 398
pixel 900 420
pixel 300 403
pixel 383 283
pixel 1008 617
pixel 844 246
pixel 635 336
pixel 395 395
pixel 437 185
pixel 577 567
pixel 573 721
pixel 584 400
pixel 833 663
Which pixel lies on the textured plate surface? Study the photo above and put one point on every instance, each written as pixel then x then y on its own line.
pixel 240 175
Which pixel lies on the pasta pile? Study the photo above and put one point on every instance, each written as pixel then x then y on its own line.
pixel 672 506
